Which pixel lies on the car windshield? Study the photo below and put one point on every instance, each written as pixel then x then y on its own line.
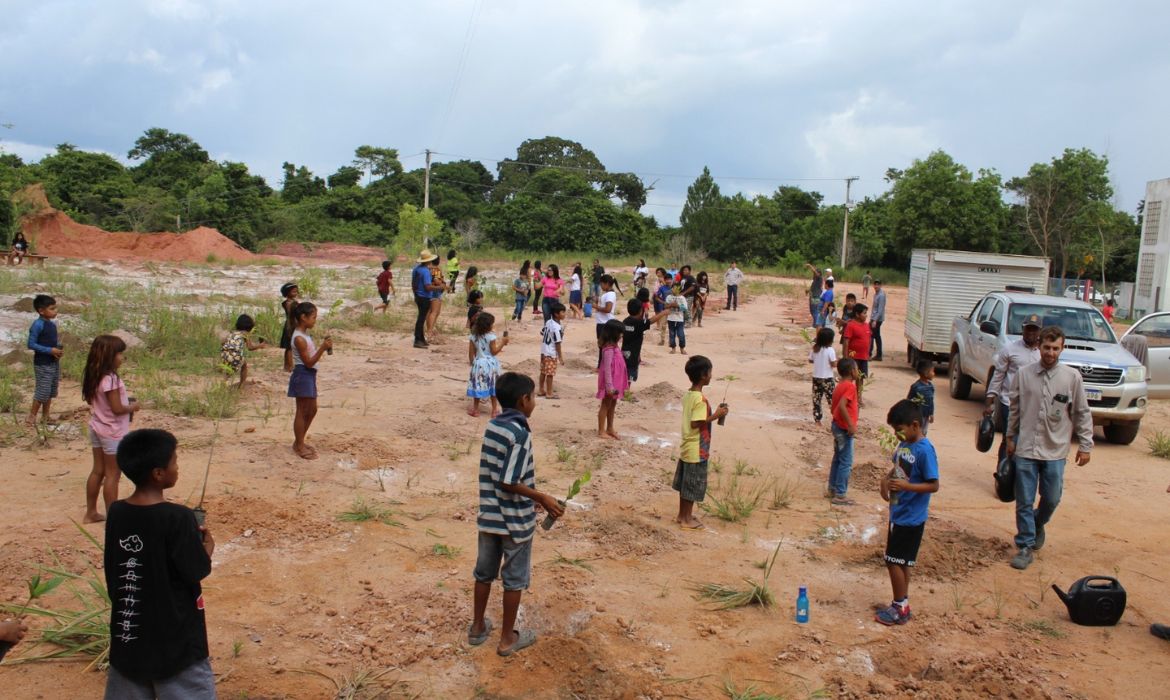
pixel 1077 324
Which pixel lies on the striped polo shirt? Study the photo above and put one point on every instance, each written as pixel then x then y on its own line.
pixel 506 458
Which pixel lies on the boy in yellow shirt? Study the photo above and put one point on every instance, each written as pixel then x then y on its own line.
pixel 690 476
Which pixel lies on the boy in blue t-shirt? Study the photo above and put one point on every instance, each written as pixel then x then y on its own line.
pixel 922 392
pixel 907 487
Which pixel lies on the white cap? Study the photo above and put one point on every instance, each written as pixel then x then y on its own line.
pixel 828 269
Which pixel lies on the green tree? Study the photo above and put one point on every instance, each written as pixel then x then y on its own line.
pixel 1058 202
pixel 300 183
pixel 417 228
pixel 536 155
pixel 937 203
pixel 380 162
pixel 169 160
pixel 86 185
pixel 346 176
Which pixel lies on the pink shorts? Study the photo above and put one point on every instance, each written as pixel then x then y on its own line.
pixel 107 445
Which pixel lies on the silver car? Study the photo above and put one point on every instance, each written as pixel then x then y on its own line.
pixel 1155 328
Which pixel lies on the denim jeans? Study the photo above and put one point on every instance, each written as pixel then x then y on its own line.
pixel 732 296
pixel 595 289
pixel 814 310
pixel 518 312
pixel 875 344
pixel 842 466
pixel 678 332
pixel 1048 475
pixel 546 306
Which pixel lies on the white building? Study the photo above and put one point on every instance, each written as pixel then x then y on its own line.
pixel 1152 284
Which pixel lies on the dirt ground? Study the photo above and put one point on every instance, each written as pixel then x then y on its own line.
pixel 300 601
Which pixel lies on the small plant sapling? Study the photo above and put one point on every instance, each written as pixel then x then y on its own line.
pixel 723 402
pixel 37 587
pixel 575 489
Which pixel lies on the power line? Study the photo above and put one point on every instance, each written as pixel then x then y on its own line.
pixel 459 69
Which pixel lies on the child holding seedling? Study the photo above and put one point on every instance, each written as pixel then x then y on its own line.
pixel 507 513
pixel 612 380
pixel 385 282
pixel 231 353
pixel 42 340
pixel 907 487
pixel 845 410
pixel 156 554
pixel 474 306
pixel 824 361
pixel 690 475
pixel 110 410
pixel 922 392
pixel 634 329
pixel 290 293
pixel 482 349
pixel 302 384
pixel 550 349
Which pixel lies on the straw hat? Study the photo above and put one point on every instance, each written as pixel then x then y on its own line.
pixel 426 256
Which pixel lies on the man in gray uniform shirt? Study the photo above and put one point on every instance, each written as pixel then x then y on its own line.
pixel 1049 407
pixel 1008 360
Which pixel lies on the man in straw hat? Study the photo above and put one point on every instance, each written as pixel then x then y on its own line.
pixel 422 284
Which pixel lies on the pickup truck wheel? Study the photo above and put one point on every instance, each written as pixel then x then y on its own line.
pixel 960 383
pixel 1122 433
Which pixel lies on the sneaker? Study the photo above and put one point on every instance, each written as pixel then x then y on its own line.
pixel 421 344
pixel 1023 558
pixel 1160 631
pixel 1039 538
pixel 893 615
pixel 843 501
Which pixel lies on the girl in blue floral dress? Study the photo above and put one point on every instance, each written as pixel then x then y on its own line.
pixel 482 348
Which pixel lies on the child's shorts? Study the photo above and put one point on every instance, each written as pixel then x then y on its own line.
pixel 575 298
pixel 302 383
pixel 632 368
pixel 516 571
pixel 47 378
pixel 196 682
pixel 385 297
pixel 902 543
pixel 107 445
pixel 548 366
pixel 690 480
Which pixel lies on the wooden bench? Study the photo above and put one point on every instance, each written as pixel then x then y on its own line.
pixel 10 258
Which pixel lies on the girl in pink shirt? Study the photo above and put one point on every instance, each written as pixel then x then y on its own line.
pixel 612 377
pixel 110 411
pixel 552 284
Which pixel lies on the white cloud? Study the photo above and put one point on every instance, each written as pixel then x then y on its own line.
pixel 874 129
pixel 209 83
pixel 147 56
pixel 28 152
pixel 175 9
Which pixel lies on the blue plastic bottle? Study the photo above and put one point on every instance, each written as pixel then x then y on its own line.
pixel 802 605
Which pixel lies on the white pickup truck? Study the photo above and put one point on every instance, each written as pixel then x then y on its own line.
pixel 1114 379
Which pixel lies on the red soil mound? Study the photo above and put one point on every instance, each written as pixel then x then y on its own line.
pixel 54 233
pixel 333 252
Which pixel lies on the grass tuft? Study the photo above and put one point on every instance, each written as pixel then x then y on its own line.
pixel 730 597
pixel 562 560
pixel 1159 444
pixel 445 550
pixel 734 502
pixel 362 511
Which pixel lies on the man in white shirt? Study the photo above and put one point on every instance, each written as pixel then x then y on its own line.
pixel 731 280
pixel 1008 361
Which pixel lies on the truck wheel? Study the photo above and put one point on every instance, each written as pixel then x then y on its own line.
pixel 960 383
pixel 1122 433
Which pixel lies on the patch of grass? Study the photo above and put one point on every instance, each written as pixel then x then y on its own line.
pixel 11 395
pixel 237 647
pixel 1041 627
pixel 362 511
pixel 750 692
pixel 782 492
pixel 734 502
pixel 444 550
pixel 562 560
pixel 716 465
pixel 1159 444
pixel 742 468
pixel 564 453
pixel 730 597
pixel 361 683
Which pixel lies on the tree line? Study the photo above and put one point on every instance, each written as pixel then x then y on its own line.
pixel 555 194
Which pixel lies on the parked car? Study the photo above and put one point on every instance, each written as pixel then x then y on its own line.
pixel 1155 328
pixel 1114 379
pixel 1078 292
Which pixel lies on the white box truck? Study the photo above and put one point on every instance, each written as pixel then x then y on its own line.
pixel 948 283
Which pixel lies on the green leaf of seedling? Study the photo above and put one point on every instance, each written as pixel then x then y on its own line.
pixel 38 587
pixel 580 481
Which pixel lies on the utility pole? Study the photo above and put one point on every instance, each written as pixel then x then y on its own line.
pixel 427 181
pixel 845 232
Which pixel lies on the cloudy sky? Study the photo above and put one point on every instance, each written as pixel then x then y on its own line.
pixel 764 93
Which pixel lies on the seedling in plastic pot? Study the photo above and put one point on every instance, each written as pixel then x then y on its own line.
pixel 575 489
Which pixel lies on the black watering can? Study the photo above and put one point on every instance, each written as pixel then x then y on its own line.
pixel 1096 601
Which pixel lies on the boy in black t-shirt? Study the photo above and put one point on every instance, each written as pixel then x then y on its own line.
pixel 636 325
pixel 155 556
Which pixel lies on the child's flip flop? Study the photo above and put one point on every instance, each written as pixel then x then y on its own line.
pixel 477 639
pixel 524 639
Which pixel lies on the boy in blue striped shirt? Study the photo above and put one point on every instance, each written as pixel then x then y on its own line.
pixel 507 512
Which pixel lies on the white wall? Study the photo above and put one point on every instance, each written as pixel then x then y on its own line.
pixel 1153 271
